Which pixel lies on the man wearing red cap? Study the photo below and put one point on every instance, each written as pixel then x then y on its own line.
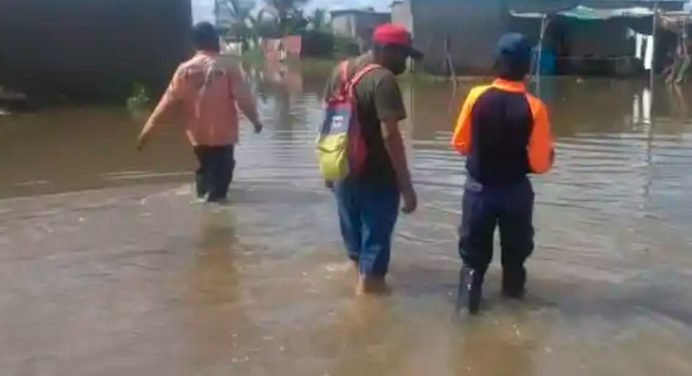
pixel 368 202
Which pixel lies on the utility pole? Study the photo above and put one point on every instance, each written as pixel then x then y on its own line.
pixel 654 34
pixel 216 13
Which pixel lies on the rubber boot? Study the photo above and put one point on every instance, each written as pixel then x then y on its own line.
pixel 470 289
pixel 514 282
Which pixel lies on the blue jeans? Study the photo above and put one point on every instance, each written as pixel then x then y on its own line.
pixel 367 215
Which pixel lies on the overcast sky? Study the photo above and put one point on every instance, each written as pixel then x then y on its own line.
pixel 202 9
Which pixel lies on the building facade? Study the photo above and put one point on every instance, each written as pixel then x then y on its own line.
pixel 357 24
pixel 460 35
pixel 89 48
pixel 463 32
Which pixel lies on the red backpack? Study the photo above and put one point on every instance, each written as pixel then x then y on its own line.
pixel 341 148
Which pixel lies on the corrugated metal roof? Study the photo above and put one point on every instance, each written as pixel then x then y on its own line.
pixel 554 6
pixel 585 13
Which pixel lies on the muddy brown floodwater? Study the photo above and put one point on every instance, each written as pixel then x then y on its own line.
pixel 107 268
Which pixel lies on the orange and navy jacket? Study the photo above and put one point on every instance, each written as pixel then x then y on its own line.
pixel 504 132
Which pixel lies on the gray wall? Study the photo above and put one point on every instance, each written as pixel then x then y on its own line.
pixel 581 38
pixel 607 38
pixel 344 25
pixel 472 26
pixel 359 25
pixel 401 14
pixel 91 48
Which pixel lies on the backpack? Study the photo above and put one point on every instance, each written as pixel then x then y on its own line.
pixel 341 150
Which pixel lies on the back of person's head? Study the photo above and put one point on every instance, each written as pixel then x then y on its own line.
pixel 392 45
pixel 513 57
pixel 205 37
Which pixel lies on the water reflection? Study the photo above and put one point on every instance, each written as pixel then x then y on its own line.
pixel 262 290
pixel 214 280
pixel 495 347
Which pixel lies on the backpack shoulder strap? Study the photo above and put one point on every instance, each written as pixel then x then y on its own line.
pixel 343 71
pixel 360 74
pixel 340 87
pixel 363 71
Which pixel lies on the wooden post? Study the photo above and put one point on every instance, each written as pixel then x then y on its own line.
pixel 544 26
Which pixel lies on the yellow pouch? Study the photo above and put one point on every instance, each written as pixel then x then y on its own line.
pixel 332 156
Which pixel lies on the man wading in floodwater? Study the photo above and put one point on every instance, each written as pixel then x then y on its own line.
pixel 208 88
pixel 505 134
pixel 368 200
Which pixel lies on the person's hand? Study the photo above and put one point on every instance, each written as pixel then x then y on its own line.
pixel 258 127
pixel 410 200
pixel 142 141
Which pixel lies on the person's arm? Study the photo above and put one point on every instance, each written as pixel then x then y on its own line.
pixel 461 139
pixel 168 101
pixel 541 151
pixel 390 111
pixel 245 99
pixel 394 144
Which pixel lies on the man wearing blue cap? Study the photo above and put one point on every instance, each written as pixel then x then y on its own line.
pixel 505 134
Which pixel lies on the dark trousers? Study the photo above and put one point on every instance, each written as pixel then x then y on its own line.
pixel 367 215
pixel 215 172
pixel 509 207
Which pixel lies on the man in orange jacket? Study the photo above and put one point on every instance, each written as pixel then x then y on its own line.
pixel 505 134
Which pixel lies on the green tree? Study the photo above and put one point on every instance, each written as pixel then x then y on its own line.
pixel 234 17
pixel 288 15
pixel 318 20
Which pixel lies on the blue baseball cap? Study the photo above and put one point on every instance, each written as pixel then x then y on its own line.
pixel 514 47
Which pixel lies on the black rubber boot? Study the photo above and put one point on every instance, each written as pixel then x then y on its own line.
pixel 514 282
pixel 470 289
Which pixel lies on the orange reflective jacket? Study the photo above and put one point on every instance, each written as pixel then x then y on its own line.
pixel 505 132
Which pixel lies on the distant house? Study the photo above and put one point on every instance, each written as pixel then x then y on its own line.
pixel 357 24
pixel 464 32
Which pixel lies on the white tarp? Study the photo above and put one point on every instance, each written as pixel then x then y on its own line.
pixel 585 13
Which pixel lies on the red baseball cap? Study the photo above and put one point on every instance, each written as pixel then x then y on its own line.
pixel 396 35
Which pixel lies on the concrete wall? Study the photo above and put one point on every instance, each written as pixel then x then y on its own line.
pixel 471 26
pixel 607 38
pixel 344 25
pixel 91 48
pixel 357 24
pixel 367 22
pixel 581 38
pixel 401 14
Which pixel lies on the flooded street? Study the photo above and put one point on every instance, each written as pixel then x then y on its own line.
pixel 107 268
